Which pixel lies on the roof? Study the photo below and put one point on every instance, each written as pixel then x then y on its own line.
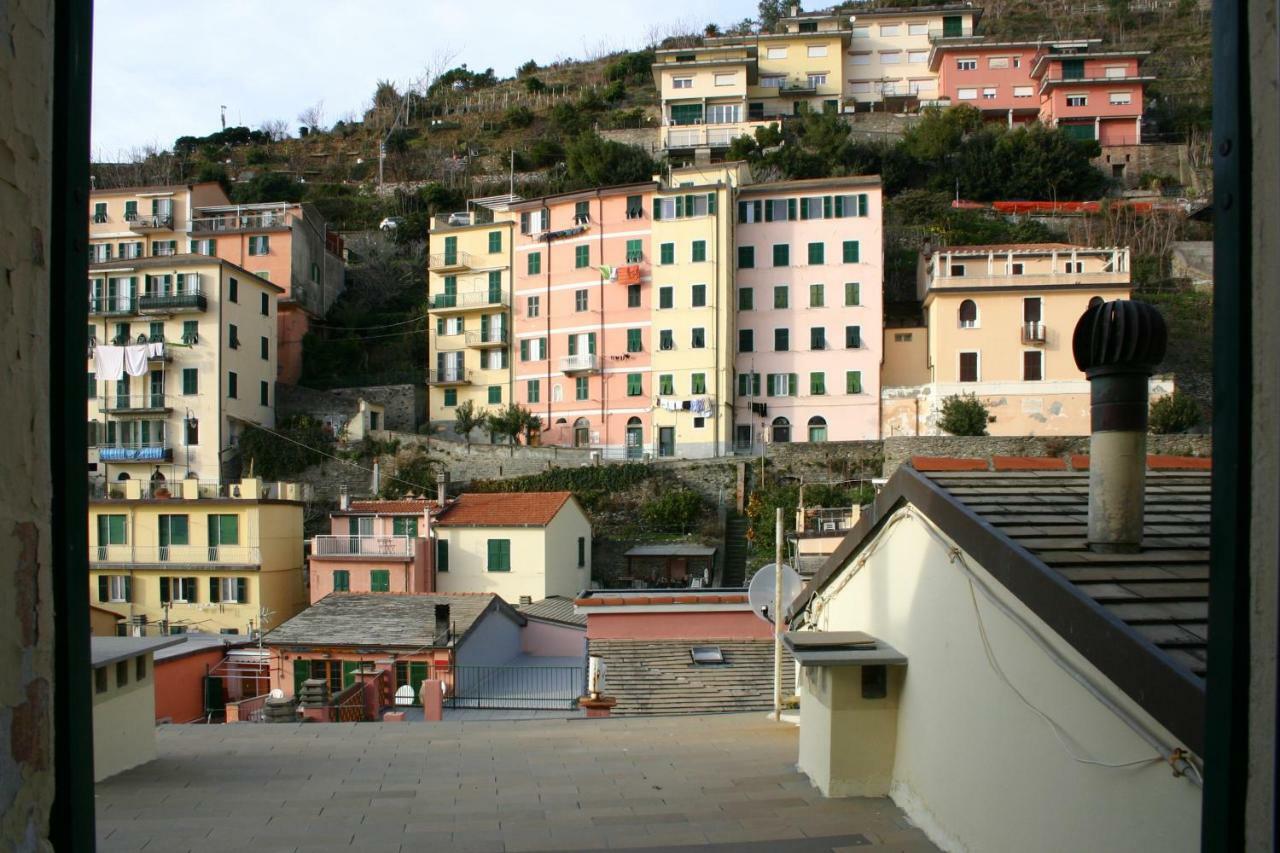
pixel 674 549
pixel 382 620
pixel 664 600
pixel 869 181
pixel 1141 619
pixel 402 507
pixel 660 677
pixel 104 651
pixel 504 509
pixel 560 198
pixel 555 608
pixel 1015 247
pixel 196 641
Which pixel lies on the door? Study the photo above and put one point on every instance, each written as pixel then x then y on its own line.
pixel 157 389
pixel 1073 69
pixel 952 26
pixel 450 250
pixel 635 441
pixel 686 114
pixel 666 441
pixel 581 433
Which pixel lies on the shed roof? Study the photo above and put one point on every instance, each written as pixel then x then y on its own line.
pixel 383 620
pixel 673 549
pixel 109 650
pixel 554 608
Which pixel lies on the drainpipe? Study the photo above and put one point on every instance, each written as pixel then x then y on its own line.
pixel 721 334
pixel 1118 345
pixel 604 380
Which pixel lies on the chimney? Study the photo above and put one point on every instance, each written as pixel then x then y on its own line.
pixel 344 499
pixel 1118 345
pixel 795 10
pixel 442 488
pixel 442 623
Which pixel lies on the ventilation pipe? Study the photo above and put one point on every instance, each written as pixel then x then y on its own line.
pixel 1118 345
pixel 442 488
pixel 344 499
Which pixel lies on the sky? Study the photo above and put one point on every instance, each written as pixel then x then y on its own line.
pixel 164 68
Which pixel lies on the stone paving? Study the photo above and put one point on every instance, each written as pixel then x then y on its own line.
pixel 722 782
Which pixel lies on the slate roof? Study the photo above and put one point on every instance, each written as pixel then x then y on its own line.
pixel 504 509
pixel 108 650
pixel 555 608
pixel 1142 618
pixel 659 677
pixel 673 549
pixel 402 507
pixel 381 620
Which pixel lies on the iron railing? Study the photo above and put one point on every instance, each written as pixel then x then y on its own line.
pixel 449 376
pixel 152 221
pixel 449 260
pixel 362 546
pixel 247 222
pixel 828 520
pixel 581 363
pixel 349 705
pixel 240 555
pixel 1034 333
pixel 487 337
pixel 187 300
pixel 146 402
pixel 529 688
pixel 471 299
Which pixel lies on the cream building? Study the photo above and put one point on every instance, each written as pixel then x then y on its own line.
pixel 217 559
pixel 124 702
pixel 887 63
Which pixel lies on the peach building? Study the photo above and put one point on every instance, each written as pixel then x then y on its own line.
pixel 999 321
pixel 810 311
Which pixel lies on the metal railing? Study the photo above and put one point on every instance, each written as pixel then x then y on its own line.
pixel 244 222
pixel 963 32
pixel 362 546
pixel 146 402
pixel 828 520
pixel 486 337
pixel 582 363
pixel 152 221
pixel 349 705
pixel 183 554
pixel 1034 333
pixel 449 376
pixel 449 260
pixel 471 299
pixel 553 688
pixel 185 300
pixel 112 304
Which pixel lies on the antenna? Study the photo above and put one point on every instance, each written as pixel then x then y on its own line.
pixel 224 116
pixel 760 591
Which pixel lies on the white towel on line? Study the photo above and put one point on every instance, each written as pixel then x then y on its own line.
pixel 108 362
pixel 135 359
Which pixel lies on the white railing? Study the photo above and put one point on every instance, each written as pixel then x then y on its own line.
pixel 579 363
pixel 362 546
pixel 828 520
pixel 177 554
pixel 1033 333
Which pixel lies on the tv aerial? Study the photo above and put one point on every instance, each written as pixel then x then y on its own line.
pixel 760 591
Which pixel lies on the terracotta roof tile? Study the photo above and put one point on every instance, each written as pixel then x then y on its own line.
pixel 504 509
pixel 1016 247
pixel 403 507
pixel 1179 463
pixel 933 463
pixel 1029 463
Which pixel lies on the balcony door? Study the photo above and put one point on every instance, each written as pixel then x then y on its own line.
pixel 1032 310
pixel 582 344
pixel 173 531
pixel 156 388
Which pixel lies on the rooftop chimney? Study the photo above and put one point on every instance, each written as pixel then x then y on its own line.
pixel 442 488
pixel 1118 345
pixel 442 624
pixel 344 499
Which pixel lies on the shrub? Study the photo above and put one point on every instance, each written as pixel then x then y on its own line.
pixel 413 476
pixel 534 86
pixel 963 414
pixel 294 445
pixel 1177 412
pixel 518 117
pixel 675 510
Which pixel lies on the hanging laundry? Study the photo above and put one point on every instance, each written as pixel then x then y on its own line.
pixel 108 363
pixel 135 360
pixel 155 350
pixel 686 405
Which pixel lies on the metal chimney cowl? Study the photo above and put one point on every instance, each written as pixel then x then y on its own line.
pixel 1118 346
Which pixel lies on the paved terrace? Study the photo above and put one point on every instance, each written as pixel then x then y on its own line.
pixel 656 783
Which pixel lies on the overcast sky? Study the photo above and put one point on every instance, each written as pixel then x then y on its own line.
pixel 162 69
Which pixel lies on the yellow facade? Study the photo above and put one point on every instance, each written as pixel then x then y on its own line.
pixel 202 563
pixel 470 301
pixel 124 713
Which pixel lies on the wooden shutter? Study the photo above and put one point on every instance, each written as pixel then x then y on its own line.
pixel 839 206
pixel 862 204
pixel 242 590
pixel 349 668
pixel 442 555
pixel 711 203
pixel 573 345
pixel 657 209
pixel 214 598
pixel 301 672
pixel 591 343
pixel 191 585
pixel 826 207
pixel 791 209
pixel 164 591
pixel 103 588
pixel 793 384
pixel 128 589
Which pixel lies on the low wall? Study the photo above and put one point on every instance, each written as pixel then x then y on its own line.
pixel 405 406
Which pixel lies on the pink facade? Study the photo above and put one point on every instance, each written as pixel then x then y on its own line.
pixel 571 322
pixel 810 317
pixel 993 78
pixel 347 560
pixel 292 325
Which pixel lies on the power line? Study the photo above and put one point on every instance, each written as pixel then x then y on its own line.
pixel 368 328
pixel 421 489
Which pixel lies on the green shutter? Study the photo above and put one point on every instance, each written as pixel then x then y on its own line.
pixel 380 580
pixel 573 345
pixel 793 384
pixel 442 555
pixel 791 209
pixel 817 253
pixel 495 241
pixel 839 206
pixel 852 251
pixel 591 343
pixel 103 593
pixel 499 555
pixel 826 207
pixel 164 590
pixel 301 672
pixel 213 591
pixel 852 293
pixel 742 211
pixel 711 203
pixel 657 209
pixel 862 204
pixel 417 674
pixel 349 668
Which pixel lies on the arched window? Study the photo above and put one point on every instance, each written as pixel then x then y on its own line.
pixel 817 429
pixel 635 439
pixel 124 475
pixel 781 430
pixel 561 421
pixel 1095 301
pixel 557 393
pixel 968 314
pixel 582 433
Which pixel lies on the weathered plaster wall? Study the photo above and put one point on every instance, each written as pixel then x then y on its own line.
pixel 26 606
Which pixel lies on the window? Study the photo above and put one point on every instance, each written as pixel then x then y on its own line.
pixel 1074 267
pixel 746 299
pixel 998 62
pixel 581 212
pixel 746 257
pixel 772 82
pixel 263 398
pixel 1032 366
pixel 533 221
pixel 968 367
pixel 853 382
pixel 100 680
pixel 581 256
pixel 581 388
pixel 853 337
pixel 635 385
pixel 989 93
pixel 580 300
pixel 682 83
pixel 499 555
pixel 533 306
pixel 817 429
pixel 533 391
pixel 582 551
pixel 122 673
pixel 816 80
pixel 782 384
pixel 164 248
pixel 495 241
pixel 450 397
pixel 698 296
pixel 917 57
pixel 140 667
pixel 746 340
pixel 233 385
pixel 968 314
pixel 380 580
pixel 956 271
pixel 1023 91
pixel 1080 100
pixel 781 340
pixel 817 338
pixel 190 381
pixel 860 32
pixel 1114 71
pixel 100 252
pixel 748 384
pixel 817 253
pixel 776 53
pixel 852 293
pixel 890 30
pixel 442 555
pixel 817 295
pixel 341 580
pixel 666 384
pixel 698 253
pixel 264 305
pixel 1119 98
pixel 698 383
pixel 781 255
pixel 781 296
pixel 233 290
pixel 534 263
pixel 666 339
pixel 666 297
pixel 633 296
pixel 891 57
pixel 635 340
pixel 816 51
pixel 264 348
pixel 228 590
pixel 966 94
pixel 119 588
pixel 260 245
pixel 698 338
pixel 193 431
pixel 635 251
pixel 495 395
pixel 667 253
pixel 1015 269
pixel 966 64
pixel 233 336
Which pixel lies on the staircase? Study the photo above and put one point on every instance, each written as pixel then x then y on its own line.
pixel 735 551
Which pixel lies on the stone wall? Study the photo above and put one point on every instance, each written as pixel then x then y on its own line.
pixel 26 606
pixel 647 138
pixel 1159 158
pixel 405 405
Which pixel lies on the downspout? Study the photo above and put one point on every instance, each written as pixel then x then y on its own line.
pixel 546 213
pixel 721 343
pixel 604 379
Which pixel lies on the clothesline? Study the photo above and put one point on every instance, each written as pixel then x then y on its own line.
pixel 112 363
pixel 697 405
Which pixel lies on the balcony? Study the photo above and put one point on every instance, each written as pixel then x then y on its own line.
pixel 458 303
pixel 798 87
pixel 273 220
pixel 587 363
pixel 1034 333
pixel 488 339
pixel 135 404
pixel 172 303
pixel 951 33
pixel 449 376
pixel 363 546
pixel 151 451
pixel 152 222
pixel 108 306
pixel 829 520
pixel 449 262
pixel 186 555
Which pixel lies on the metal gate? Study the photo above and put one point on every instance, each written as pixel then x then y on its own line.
pixel 525 688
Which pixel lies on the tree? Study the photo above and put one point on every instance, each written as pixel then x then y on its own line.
pixel 267 186
pixel 294 445
pixel 513 421
pixel 276 129
pixel 596 162
pixel 1178 412
pixel 313 116
pixel 773 11
pixel 963 414
pixel 467 418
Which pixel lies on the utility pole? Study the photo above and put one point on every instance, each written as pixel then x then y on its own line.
pixel 777 616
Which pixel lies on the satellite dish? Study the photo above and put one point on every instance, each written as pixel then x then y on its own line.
pixel 404 696
pixel 760 592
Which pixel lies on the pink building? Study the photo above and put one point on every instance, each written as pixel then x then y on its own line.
pixel 582 288
pixel 810 311
pixel 994 77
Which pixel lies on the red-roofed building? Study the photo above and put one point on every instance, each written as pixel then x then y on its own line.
pixel 518 545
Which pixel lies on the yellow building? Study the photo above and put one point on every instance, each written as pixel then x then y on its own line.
pixel 124 702
pixel 469 308
pixel 225 559
pixel 694 311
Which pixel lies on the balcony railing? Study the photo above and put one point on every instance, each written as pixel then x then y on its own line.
pixel 145 452
pixel 487 338
pixel 186 301
pixel 449 376
pixel 141 403
pixel 469 301
pixel 828 520
pixel 243 555
pixel 583 363
pixel 443 261
pixel 244 222
pixel 1033 333
pixel 362 546
pixel 962 32
pixel 152 222
pixel 107 305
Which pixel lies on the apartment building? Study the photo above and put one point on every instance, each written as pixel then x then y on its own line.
pixel 198 556
pixel 999 321
pixel 469 289
pixel 288 244
pixel 810 311
pixel 181 358
pixel 887 63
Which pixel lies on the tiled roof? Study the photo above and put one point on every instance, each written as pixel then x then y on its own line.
pixel 555 608
pixel 404 507
pixel 383 620
pixel 659 676
pixel 1142 618
pixel 504 509
pixel 643 598
pixel 1017 247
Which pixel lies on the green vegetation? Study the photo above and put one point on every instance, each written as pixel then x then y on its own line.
pixel 1177 412
pixel 674 510
pixel 467 419
pixel 764 502
pixel 963 414
pixel 514 422
pixel 415 475
pixel 593 486
pixel 286 451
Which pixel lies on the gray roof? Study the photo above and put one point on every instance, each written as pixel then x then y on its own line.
pixel 674 549
pixel 1142 619
pixel 195 641
pixel 381 620
pixel 555 608
pixel 109 650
